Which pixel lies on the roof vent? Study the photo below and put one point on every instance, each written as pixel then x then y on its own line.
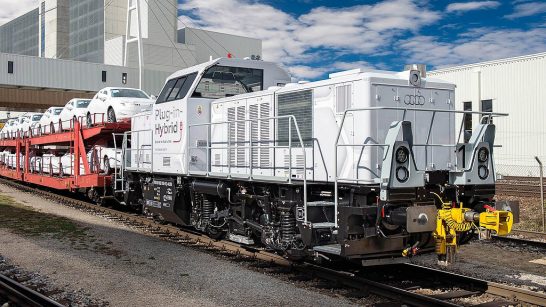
pixel 422 68
pixel 346 73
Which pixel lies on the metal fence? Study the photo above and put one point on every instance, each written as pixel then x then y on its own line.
pixel 523 181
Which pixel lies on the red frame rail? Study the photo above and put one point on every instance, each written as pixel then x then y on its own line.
pixel 76 137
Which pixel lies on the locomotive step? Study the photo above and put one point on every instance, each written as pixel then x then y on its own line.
pixel 320 203
pixel 323 225
pixel 334 249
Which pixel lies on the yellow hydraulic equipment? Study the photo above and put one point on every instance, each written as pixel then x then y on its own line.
pixel 453 220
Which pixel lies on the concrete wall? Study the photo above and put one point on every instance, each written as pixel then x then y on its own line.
pixel 516 86
pixel 56 14
pixel 38 72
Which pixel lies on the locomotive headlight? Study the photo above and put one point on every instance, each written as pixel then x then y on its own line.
pixel 415 78
pixel 402 155
pixel 483 154
pixel 402 174
pixel 483 172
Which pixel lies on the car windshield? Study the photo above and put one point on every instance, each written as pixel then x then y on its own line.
pixel 124 92
pixel 57 111
pixel 80 104
pixel 36 118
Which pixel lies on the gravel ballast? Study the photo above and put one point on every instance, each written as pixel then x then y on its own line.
pixel 119 265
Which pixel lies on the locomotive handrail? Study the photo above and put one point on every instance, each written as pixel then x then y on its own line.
pixel 229 148
pixel 488 115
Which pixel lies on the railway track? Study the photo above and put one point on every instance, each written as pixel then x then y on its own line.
pixel 526 238
pixel 518 186
pixel 368 281
pixel 13 293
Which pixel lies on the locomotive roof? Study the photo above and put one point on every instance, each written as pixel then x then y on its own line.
pixel 376 76
pixel 228 62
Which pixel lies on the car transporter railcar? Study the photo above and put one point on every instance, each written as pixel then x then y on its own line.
pixel 367 166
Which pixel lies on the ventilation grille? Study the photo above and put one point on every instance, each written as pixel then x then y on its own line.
pixel 297 164
pixel 299 104
pixel 343 98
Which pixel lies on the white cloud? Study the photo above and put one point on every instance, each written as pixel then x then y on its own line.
pixel 471 6
pixel 477 47
pixel 323 34
pixel 14 8
pixel 527 9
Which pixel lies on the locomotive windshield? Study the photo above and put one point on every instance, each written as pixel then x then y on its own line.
pixel 222 81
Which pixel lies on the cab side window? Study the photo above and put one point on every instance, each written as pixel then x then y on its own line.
pixel 177 88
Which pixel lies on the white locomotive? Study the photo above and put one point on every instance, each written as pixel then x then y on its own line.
pixel 355 166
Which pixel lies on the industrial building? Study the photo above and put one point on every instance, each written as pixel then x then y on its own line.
pixel 69 37
pixel 516 86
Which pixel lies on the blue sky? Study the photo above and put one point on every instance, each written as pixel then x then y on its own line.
pixel 312 38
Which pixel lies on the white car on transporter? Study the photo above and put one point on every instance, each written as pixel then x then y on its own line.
pixel 112 104
pixel 75 109
pixel 50 120
pixel 28 126
pixel 106 158
pixel 5 133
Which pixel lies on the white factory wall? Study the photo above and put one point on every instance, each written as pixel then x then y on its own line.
pixel 36 72
pixel 215 44
pixel 517 86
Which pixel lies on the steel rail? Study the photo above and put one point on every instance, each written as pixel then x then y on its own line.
pixel 22 295
pixel 345 278
pixel 493 288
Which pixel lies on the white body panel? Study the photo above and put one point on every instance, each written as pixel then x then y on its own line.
pixel 355 91
pixel 180 131
pixel 166 129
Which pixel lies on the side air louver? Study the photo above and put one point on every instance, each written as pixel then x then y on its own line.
pixel 299 104
pixel 343 97
pixel 241 136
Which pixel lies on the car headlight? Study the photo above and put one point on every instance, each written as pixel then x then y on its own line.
pixel 402 155
pixel 483 154
pixel 483 172
pixel 402 174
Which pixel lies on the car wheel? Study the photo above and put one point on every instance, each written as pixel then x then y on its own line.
pixel 51 128
pixel 107 168
pixel 60 125
pixel 111 116
pixel 39 129
pixel 88 120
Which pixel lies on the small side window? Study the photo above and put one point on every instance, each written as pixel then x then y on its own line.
pixel 104 76
pixel 10 67
pixel 186 87
pixel 166 91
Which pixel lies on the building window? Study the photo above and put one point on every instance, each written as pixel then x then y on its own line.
pixel 467 119
pixel 10 67
pixel 124 78
pixel 486 106
pixel 104 76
